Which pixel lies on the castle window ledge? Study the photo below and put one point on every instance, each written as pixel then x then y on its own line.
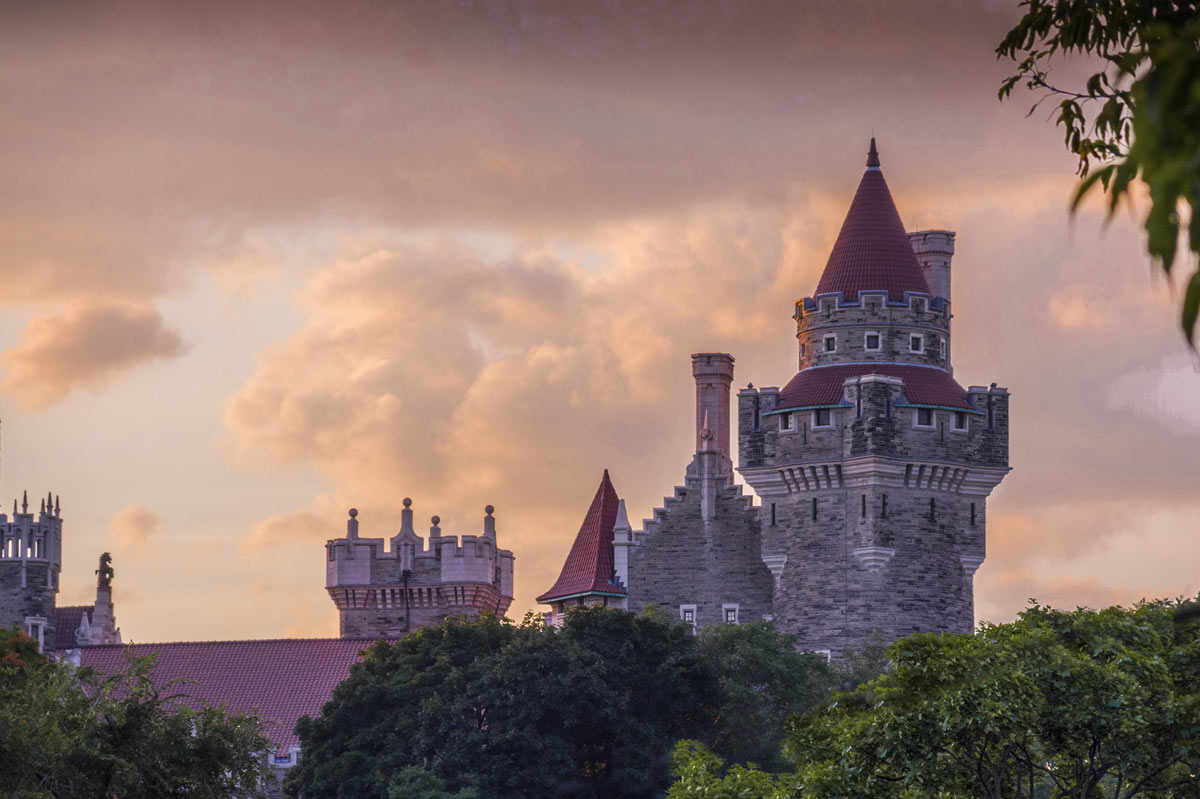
pixel 924 419
pixel 872 341
pixel 960 422
pixel 829 342
pixel 971 563
pixel 873 558
pixel 823 419
pixel 916 343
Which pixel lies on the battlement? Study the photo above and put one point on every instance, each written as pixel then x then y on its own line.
pixel 30 561
pixel 26 536
pixel 390 586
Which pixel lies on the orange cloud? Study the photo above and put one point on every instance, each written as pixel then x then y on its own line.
pixel 84 347
pixel 132 529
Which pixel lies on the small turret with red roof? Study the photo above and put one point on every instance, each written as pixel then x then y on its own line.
pixel 587 576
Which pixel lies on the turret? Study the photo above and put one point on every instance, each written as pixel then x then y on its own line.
pixel 385 589
pixel 30 562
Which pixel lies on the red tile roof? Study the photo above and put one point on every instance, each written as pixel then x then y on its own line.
pixel 66 621
pixel 281 679
pixel 589 566
pixel 823 385
pixel 872 252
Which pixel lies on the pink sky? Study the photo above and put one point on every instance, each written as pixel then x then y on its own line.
pixel 262 266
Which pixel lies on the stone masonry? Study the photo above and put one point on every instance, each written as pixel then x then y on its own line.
pixel 699 557
pixel 30 562
pixel 388 591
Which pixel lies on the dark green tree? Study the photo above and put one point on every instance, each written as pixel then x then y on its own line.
pixel 1136 118
pixel 68 732
pixel 592 709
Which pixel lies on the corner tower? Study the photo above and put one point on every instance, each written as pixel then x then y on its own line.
pixel 873 464
pixel 30 562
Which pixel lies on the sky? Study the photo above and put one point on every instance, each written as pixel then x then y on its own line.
pixel 264 264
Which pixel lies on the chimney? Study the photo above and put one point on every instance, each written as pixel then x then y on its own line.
pixel 714 376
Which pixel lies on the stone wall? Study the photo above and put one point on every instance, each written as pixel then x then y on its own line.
pixel 679 559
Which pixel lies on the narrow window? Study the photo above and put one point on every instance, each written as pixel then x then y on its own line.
pixel 831 343
pixel 942 345
pixel 887 406
pixel 773 513
pixel 872 343
pixel 814 509
pixel 932 510
pixel 960 420
pixel 858 404
pixel 972 514
pixel 991 415
pixel 731 615
pixel 802 348
pixel 883 510
pixel 916 343
pixel 864 506
pixel 757 413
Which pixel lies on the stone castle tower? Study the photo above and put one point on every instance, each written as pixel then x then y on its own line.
pixel 30 562
pixel 873 464
pixel 387 591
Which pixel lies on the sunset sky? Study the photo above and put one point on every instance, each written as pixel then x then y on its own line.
pixel 261 266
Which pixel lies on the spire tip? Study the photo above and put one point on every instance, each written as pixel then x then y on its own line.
pixel 873 155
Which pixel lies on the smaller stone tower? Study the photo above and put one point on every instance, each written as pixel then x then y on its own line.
pixel 383 592
pixel 30 562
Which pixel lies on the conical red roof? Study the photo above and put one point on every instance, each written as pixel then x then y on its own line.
pixel 589 566
pixel 872 252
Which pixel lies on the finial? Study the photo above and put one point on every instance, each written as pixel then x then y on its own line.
pixel 353 513
pixel 436 520
pixel 407 502
pixel 24 502
pixel 14 507
pixel 43 506
pixel 489 522
pixel 57 507
pixel 873 155
pixel 606 474
pixel 489 510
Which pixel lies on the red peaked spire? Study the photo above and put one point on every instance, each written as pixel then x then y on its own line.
pixel 589 566
pixel 872 250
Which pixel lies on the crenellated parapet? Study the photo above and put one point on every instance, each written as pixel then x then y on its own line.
pixel 30 562
pixel 388 587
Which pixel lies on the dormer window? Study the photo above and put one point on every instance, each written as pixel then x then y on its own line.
pixel 872 342
pixel 916 343
pixel 831 343
pixel 924 417
pixel 822 417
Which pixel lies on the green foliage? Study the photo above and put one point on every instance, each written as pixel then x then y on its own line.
pixel 1138 118
pixel 762 679
pixel 70 732
pixel 1057 705
pixel 591 709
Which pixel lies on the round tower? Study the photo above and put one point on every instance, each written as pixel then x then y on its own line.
pixel 873 464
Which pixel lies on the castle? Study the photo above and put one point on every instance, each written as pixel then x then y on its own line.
pixel 872 464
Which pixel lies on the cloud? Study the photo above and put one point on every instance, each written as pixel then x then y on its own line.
pixel 84 347
pixel 307 527
pixel 132 529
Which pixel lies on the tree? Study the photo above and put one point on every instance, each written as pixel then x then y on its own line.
pixel 68 732
pixel 591 709
pixel 1136 118
pixel 1079 705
